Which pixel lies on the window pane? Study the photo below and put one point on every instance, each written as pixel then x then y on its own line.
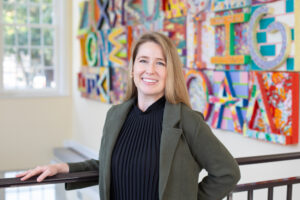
pixel 23 58
pixel 9 60
pixel 8 1
pixel 47 1
pixel 50 83
pixel 21 1
pixel 48 37
pixel 21 16
pixel 39 79
pixel 35 1
pixel 35 58
pixel 9 35
pixel 48 57
pixel 34 14
pixel 35 36
pixel 47 14
pixel 8 13
pixel 9 68
pixel 22 35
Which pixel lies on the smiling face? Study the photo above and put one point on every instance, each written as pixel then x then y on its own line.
pixel 150 71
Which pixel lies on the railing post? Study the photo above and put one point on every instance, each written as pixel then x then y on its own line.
pixel 270 193
pixel 289 192
pixel 250 194
pixel 229 196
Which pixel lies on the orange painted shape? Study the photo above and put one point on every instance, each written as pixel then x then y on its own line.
pixel 226 60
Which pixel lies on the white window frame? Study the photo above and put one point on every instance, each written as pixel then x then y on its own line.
pixel 61 57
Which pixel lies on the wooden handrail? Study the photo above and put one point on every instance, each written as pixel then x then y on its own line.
pixel 268 158
pixel 267 184
pixel 59 178
pixel 93 175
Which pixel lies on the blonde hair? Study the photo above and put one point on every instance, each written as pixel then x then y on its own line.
pixel 175 91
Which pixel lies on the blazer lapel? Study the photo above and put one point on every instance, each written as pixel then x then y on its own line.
pixel 114 125
pixel 169 140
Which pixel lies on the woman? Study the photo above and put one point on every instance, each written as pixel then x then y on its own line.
pixel 154 145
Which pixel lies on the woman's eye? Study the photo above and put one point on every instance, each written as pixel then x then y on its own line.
pixel 143 61
pixel 161 63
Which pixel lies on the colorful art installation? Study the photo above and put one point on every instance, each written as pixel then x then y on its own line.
pixel 273 111
pixel 199 89
pixel 272 39
pixel 230 99
pixel 262 1
pixel 84 18
pixel 91 49
pixel 118 84
pixel 221 5
pixel 94 83
pixel 285 33
pixel 104 15
pixel 194 20
pixel 196 7
pixel 118 39
pixel 238 58
pixel 175 8
pixel 175 29
pixel 228 22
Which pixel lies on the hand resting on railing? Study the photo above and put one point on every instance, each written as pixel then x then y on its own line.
pixel 44 171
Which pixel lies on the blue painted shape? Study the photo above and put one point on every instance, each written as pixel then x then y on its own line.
pixel 261 37
pixel 220 116
pixel 289 6
pixel 229 124
pixel 268 50
pixel 254 66
pixel 293 34
pixel 264 23
pixel 253 8
pixel 241 90
pixel 290 63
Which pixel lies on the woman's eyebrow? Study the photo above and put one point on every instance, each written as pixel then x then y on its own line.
pixel 145 57
pixel 161 59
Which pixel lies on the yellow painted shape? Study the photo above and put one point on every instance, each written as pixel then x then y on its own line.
pixel 82 40
pixel 176 6
pixel 297 32
pixel 117 46
pixel 228 21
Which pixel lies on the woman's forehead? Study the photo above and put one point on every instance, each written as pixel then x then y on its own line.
pixel 150 50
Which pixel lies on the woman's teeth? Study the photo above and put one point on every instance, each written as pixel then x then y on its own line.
pixel 149 80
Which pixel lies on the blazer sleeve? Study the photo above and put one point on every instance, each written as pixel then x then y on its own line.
pixel 89 165
pixel 211 154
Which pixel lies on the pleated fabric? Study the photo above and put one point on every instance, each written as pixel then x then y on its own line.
pixel 135 158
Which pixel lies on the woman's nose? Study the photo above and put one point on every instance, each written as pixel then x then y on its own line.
pixel 151 68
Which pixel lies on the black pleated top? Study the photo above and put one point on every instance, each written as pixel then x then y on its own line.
pixel 135 158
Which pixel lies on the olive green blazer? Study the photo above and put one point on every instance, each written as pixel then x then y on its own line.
pixel 187 146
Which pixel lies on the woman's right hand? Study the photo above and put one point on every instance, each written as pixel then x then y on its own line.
pixel 44 171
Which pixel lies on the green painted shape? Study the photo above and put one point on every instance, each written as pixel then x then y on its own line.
pixel 91 57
